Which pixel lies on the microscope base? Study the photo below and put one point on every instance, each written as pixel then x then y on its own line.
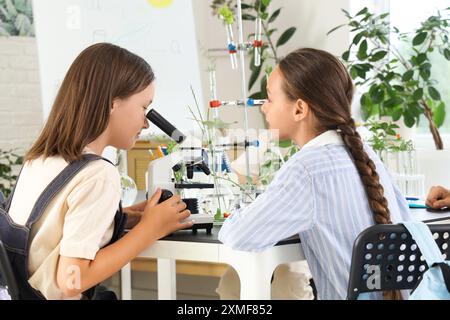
pixel 199 226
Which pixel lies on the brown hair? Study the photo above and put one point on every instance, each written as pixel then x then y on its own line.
pixel 80 113
pixel 322 81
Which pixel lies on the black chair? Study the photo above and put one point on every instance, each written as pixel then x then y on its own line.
pixel 7 279
pixel 388 256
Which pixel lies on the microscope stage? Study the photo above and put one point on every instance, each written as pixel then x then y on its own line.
pixel 201 221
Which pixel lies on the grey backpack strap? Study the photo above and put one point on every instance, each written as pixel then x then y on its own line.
pixel 57 184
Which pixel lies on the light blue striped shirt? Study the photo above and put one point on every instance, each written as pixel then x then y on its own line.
pixel 317 194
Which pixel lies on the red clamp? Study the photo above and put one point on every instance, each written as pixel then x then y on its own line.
pixel 257 44
pixel 215 103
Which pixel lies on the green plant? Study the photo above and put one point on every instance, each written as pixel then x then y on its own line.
pixel 16 18
pixel 275 160
pixel 8 159
pixel 395 82
pixel 251 9
pixel 385 138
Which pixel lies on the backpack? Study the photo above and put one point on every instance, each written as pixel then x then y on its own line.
pixel 435 282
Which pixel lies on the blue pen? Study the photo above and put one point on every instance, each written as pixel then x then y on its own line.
pixel 412 199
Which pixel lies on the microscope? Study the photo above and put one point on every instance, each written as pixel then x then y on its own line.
pixel 191 157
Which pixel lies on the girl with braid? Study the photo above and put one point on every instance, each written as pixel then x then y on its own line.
pixel 329 191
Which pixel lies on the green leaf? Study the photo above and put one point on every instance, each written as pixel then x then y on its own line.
pixel 378 56
pixel 414 110
pixel 286 36
pixel 23 24
pixel 245 6
pixel 421 58
pixel 285 144
pixel 254 77
pixel 257 95
pixel 447 54
pixel 439 115
pixel 363 11
pixel 20 5
pixel 274 15
pixel 367 108
pixel 362 52
pixel 420 38
pixel 336 28
pixel 408 120
pixel 346 55
pixel 434 94
pixel 248 17
pixel 11 8
pixel 418 94
pixel 408 75
pixel 396 114
pixel 377 95
pixel 353 72
pixel 358 37
pixel 393 102
pixel 425 74
pixel 266 2
pixel 399 88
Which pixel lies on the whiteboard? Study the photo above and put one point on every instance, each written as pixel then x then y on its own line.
pixel 160 31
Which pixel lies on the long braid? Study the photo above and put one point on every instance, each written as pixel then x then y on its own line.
pixel 367 171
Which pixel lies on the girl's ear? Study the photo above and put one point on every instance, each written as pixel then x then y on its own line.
pixel 301 110
pixel 115 105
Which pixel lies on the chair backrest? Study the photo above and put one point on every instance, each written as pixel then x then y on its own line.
pixel 385 257
pixel 7 279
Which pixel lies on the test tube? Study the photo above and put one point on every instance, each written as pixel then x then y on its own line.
pixel 233 103
pixel 213 102
pixel 257 44
pixel 232 49
pixel 212 85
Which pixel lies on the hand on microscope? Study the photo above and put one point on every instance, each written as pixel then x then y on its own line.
pixel 166 217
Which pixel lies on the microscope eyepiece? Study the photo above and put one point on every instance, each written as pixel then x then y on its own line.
pixel 159 121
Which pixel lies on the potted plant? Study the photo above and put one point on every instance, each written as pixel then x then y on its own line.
pixel 397 82
pixel 16 18
pixel 8 161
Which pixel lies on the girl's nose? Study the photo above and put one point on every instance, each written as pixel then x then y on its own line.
pixel 263 107
pixel 146 124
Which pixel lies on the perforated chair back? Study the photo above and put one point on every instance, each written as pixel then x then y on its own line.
pixel 7 279
pixel 390 253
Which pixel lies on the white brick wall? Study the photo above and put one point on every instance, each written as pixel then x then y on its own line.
pixel 20 97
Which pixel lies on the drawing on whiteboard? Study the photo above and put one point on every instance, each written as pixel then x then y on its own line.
pixel 160 4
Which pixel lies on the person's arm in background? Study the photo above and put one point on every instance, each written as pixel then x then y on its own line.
pixel 438 198
pixel 134 214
